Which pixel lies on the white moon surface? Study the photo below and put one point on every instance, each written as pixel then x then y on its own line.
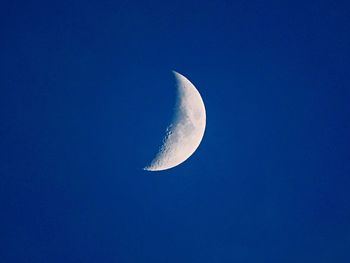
pixel 186 131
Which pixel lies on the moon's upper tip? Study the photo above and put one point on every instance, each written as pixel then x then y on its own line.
pixel 176 73
pixel 178 76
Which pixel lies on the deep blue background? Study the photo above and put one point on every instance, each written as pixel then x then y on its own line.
pixel 86 95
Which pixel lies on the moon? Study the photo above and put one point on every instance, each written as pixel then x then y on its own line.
pixel 185 132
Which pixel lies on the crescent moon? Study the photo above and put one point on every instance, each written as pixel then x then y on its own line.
pixel 186 131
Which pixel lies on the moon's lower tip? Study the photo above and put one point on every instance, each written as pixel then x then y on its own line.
pixel 152 169
pixel 149 169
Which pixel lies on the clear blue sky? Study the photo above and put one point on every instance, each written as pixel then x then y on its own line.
pixel 87 92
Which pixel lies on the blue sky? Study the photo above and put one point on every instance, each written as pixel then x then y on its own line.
pixel 87 93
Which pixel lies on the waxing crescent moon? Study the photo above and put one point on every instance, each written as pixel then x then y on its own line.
pixel 186 131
